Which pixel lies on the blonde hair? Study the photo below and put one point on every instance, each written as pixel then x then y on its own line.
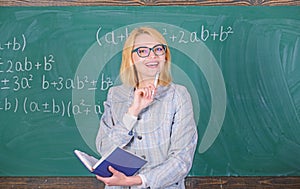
pixel 127 70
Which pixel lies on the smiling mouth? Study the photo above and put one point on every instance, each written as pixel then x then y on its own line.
pixel 152 64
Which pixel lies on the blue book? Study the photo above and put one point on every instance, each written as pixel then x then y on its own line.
pixel 120 159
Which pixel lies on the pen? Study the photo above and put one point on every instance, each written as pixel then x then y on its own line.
pixel 155 81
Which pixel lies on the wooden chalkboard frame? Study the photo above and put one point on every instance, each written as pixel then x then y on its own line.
pixel 150 3
pixel 191 182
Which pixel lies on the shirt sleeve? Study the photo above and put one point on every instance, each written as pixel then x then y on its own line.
pixel 182 146
pixel 144 181
pixel 129 121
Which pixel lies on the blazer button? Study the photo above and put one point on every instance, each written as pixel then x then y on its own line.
pixel 140 137
pixel 143 156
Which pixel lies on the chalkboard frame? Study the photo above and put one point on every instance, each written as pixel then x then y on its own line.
pixel 150 3
pixel 191 182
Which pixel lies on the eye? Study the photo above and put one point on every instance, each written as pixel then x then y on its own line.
pixel 158 49
pixel 143 51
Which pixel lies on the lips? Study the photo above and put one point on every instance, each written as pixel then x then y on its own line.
pixel 152 64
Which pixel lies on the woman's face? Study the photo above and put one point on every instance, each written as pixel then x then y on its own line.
pixel 148 66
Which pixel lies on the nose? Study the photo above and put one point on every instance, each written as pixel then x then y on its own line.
pixel 152 54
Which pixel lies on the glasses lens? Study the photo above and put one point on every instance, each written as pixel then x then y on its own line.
pixel 159 50
pixel 143 51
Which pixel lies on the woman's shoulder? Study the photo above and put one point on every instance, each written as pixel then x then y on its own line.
pixel 179 89
pixel 120 88
pixel 119 92
pixel 173 91
pixel 181 95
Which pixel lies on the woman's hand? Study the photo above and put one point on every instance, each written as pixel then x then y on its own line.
pixel 119 179
pixel 142 98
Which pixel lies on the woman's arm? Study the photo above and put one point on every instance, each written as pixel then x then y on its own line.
pixel 113 131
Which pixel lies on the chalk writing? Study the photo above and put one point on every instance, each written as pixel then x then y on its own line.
pixel 22 72
pixel 16 83
pixel 15 44
pixel 203 34
pixel 26 65
pixel 112 37
pixel 78 83
pixel 64 108
pixel 22 82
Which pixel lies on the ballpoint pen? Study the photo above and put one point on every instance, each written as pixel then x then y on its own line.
pixel 155 81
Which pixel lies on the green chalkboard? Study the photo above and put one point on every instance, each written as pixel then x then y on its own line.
pixel 240 64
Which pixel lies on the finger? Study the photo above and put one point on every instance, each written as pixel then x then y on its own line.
pixel 151 86
pixel 143 92
pixel 151 89
pixel 112 170
pixel 100 178
pixel 146 89
pixel 139 92
pixel 104 180
pixel 153 92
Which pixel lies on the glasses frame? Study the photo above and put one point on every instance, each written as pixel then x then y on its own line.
pixel 150 49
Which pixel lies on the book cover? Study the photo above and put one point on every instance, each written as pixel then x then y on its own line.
pixel 120 159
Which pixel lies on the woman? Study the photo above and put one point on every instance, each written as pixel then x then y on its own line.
pixel 149 117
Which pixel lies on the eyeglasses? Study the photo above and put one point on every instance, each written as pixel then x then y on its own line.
pixel 158 50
